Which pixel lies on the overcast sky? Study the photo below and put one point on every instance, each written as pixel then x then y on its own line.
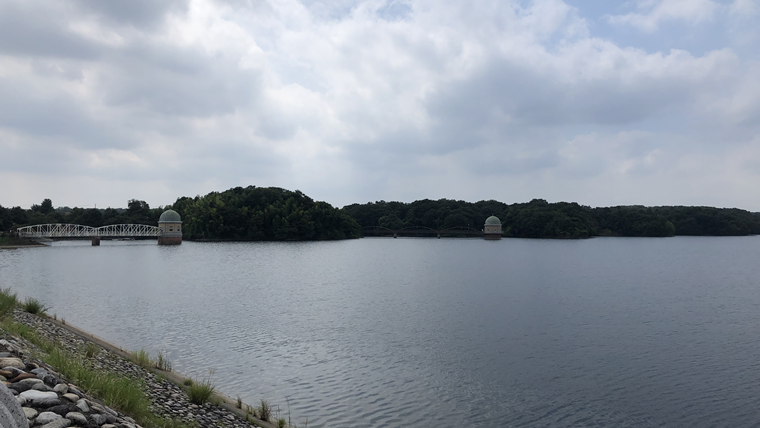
pixel 602 102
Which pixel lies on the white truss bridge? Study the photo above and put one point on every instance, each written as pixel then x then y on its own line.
pixel 78 231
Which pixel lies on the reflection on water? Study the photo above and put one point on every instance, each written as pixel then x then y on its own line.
pixel 451 332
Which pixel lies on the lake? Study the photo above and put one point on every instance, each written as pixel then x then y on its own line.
pixel 383 332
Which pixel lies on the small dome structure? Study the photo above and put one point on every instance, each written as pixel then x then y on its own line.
pixel 492 228
pixel 169 215
pixel 490 221
pixel 170 224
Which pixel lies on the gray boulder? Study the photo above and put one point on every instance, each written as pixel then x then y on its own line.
pixel 76 418
pixel 20 387
pixel 11 413
pixel 12 362
pixel 41 387
pixel 41 398
pixel 29 412
pixel 82 405
pixel 58 423
pixel 46 417
pixel 98 418
pixel 50 380
pixel 62 409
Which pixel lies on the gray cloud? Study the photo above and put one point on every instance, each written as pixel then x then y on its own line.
pixel 171 82
pixel 57 117
pixel 353 101
pixel 37 29
pixel 148 14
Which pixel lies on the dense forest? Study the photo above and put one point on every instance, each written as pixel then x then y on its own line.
pixel 540 219
pixel 262 214
pixel 250 214
pixel 274 214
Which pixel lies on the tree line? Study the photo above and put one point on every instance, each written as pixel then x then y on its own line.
pixel 137 212
pixel 275 214
pixel 247 214
pixel 540 219
pixel 262 214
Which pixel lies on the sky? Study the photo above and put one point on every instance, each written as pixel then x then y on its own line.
pixel 600 102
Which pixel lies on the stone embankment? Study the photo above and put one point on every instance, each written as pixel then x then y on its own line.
pixel 49 401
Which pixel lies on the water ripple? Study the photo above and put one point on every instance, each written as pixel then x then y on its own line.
pixel 383 333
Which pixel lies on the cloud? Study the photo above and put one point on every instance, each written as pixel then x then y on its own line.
pixel 359 100
pixel 652 13
pixel 147 14
pixel 745 8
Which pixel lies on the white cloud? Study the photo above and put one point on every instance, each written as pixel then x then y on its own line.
pixel 745 8
pixel 652 13
pixel 361 100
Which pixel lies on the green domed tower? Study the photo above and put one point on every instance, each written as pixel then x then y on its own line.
pixel 492 228
pixel 170 224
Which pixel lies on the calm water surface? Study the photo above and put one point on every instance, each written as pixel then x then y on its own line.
pixel 427 332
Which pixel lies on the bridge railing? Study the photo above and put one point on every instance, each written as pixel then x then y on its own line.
pixel 128 230
pixel 79 231
pixel 56 230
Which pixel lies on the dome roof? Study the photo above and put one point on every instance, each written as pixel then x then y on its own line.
pixel 490 221
pixel 169 215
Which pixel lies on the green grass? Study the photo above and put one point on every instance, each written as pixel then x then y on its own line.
pixel 34 306
pixel 8 301
pixel 27 333
pixel 200 392
pixel 264 411
pixel 187 382
pixel 119 392
pixel 142 358
pixel 162 363
pixel 90 350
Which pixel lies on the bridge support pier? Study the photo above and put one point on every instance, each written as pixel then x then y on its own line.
pixel 439 235
pixel 96 241
pixel 395 235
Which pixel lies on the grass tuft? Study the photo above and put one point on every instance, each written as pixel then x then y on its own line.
pixel 142 358
pixel 265 410
pixel 163 363
pixel 8 301
pixel 34 306
pixel 90 350
pixel 200 392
